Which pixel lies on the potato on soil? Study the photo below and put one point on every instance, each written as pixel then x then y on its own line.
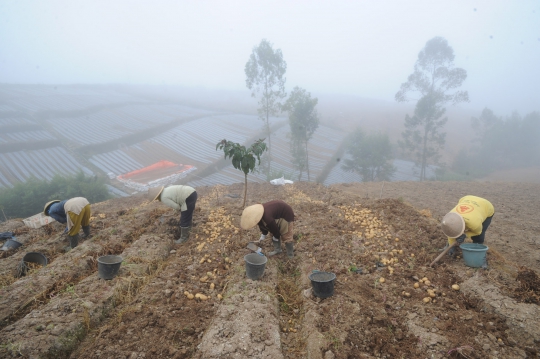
pixel 201 296
pixel 455 287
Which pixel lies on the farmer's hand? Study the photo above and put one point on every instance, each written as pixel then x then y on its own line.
pixel 461 238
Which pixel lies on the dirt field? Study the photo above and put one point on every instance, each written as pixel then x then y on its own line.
pixel 360 232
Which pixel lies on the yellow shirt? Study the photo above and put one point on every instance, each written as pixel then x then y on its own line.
pixel 474 211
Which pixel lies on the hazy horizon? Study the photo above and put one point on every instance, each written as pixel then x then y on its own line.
pixel 364 49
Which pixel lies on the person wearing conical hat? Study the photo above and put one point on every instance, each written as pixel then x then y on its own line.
pixel 75 212
pixel 471 218
pixel 275 217
pixel 180 198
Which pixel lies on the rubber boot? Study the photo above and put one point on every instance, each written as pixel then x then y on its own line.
pixel 73 240
pixel 86 231
pixel 290 249
pixel 277 248
pixel 184 235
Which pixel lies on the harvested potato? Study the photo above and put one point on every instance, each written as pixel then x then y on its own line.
pixel 382 280
pixel 455 287
pixel 416 285
pixel 201 296
pixel 426 300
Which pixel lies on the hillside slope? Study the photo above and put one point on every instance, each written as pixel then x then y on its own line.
pixel 64 310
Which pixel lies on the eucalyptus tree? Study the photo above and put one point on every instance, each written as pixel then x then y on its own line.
pixel 303 121
pixel 435 80
pixel 265 77
pixel 369 155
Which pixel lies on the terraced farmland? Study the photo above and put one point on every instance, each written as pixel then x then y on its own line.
pixel 64 310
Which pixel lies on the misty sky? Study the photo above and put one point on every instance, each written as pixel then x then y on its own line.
pixel 364 48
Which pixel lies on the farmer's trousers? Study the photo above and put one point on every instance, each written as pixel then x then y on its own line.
pixel 480 238
pixel 288 237
pixel 81 219
pixel 186 216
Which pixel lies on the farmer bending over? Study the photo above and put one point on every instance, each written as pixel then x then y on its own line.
pixel 470 218
pixel 181 198
pixel 75 212
pixel 276 217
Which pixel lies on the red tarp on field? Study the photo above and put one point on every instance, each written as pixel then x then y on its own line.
pixel 155 172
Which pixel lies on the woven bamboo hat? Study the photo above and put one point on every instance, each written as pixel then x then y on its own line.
pixel 154 192
pixel 251 216
pixel 453 225
pixel 47 205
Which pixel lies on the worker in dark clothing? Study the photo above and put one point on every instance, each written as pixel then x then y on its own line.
pixel 275 217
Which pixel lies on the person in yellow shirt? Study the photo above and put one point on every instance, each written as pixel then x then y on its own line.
pixel 471 218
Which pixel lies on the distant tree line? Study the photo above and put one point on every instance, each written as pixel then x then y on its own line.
pixel 29 198
pixel 500 143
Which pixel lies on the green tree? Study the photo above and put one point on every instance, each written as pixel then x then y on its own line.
pixel 422 137
pixel 304 121
pixel 265 74
pixel 435 80
pixel 370 156
pixel 28 198
pixel 243 159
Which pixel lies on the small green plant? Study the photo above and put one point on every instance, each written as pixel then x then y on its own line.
pixel 335 342
pixel 352 268
pixel 70 289
pixel 13 348
pixel 244 159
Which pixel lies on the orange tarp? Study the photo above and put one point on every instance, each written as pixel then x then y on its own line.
pixel 159 168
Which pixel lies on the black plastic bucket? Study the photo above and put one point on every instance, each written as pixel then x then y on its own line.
pixel 255 264
pixel 31 257
pixel 11 244
pixel 322 284
pixel 108 266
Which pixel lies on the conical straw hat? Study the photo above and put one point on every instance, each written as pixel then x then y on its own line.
pixel 47 205
pixel 453 225
pixel 251 216
pixel 154 192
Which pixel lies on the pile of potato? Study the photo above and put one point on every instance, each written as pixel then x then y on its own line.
pixel 371 226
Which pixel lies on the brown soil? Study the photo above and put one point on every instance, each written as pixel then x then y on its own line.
pixel 360 232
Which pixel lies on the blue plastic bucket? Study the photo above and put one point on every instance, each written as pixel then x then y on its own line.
pixel 474 254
